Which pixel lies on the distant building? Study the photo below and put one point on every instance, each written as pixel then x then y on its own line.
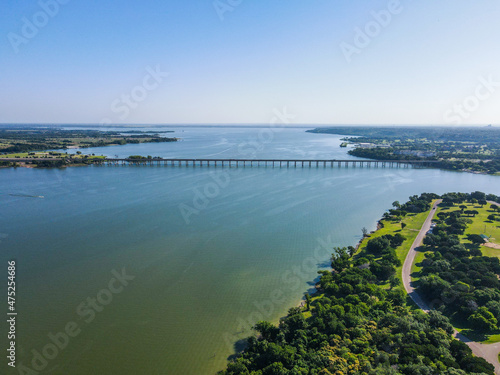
pixel 365 145
pixel 371 145
pixel 425 154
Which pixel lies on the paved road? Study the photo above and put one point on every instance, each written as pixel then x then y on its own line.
pixel 486 351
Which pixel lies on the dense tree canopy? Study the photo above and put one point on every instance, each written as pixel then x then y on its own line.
pixel 456 278
pixel 360 323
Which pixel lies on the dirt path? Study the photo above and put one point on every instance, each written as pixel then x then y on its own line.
pixel 487 351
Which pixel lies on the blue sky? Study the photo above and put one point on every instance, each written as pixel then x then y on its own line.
pixel 77 62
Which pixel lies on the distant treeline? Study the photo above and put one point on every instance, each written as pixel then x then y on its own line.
pixel 455 148
pixel 16 140
pixel 489 134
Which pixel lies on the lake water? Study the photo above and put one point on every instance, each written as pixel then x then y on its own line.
pixel 210 251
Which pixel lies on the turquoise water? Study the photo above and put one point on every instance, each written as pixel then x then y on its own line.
pixel 211 250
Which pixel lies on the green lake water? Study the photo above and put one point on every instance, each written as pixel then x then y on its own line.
pixel 211 251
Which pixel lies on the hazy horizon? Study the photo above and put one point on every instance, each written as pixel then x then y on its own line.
pixel 219 62
pixel 248 125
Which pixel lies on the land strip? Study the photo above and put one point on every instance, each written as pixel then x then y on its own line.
pixel 469 149
pixel 489 352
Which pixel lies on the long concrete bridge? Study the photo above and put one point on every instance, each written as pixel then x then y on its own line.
pixel 281 163
pixel 288 163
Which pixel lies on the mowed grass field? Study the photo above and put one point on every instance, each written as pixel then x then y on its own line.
pixel 480 225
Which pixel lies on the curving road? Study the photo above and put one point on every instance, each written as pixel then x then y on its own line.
pixel 487 351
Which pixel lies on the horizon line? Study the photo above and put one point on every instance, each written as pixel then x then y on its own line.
pixel 240 125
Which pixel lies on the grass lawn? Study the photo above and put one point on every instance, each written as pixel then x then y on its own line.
pixel 413 223
pixel 43 154
pixel 40 154
pixel 416 266
pixel 489 252
pixel 16 155
pixel 481 225
pixel 490 338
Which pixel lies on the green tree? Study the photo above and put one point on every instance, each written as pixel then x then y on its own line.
pixel 378 245
pixel 475 239
pixel 364 231
pixel 483 320
pixel 394 281
pixel 308 301
pixel 267 330
pixel 340 259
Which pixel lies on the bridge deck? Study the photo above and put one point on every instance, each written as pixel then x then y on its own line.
pixel 247 162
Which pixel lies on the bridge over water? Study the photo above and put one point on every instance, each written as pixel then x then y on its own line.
pixel 279 163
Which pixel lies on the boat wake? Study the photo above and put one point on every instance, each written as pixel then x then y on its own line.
pixel 26 196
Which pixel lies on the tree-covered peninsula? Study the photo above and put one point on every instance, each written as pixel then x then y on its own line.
pixel 361 321
pixel 470 149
